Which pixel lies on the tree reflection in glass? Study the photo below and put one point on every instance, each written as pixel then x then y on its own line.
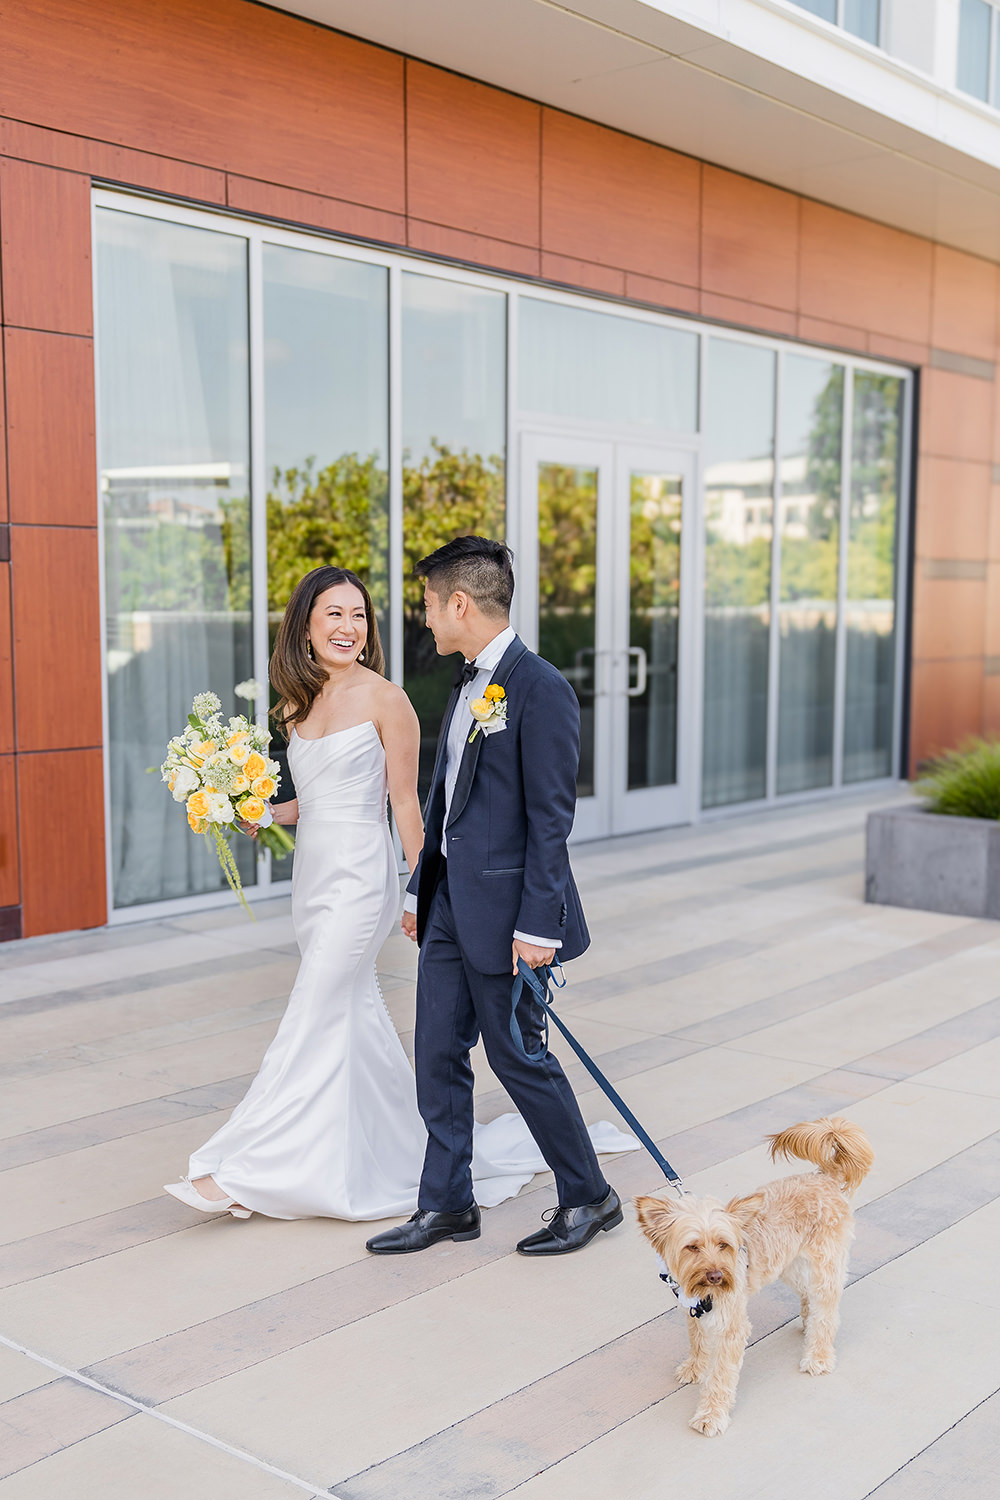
pixel 871 576
pixel 567 577
pixel 811 426
pixel 739 482
pixel 454 479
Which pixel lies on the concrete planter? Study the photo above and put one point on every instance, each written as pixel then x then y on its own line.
pixel 933 862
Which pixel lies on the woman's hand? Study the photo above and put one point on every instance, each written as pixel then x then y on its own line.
pixel 285 812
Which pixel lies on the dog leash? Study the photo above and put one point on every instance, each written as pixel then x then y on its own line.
pixel 539 987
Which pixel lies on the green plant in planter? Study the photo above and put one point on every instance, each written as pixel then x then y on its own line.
pixel 964 783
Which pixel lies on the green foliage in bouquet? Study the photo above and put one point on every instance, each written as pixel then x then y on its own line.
pixel 964 783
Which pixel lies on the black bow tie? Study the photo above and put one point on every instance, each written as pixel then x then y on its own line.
pixel 469 671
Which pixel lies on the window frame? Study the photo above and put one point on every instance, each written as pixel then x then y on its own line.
pixel 519 422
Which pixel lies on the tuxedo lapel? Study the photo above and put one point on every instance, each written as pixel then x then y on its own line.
pixel 440 759
pixel 470 755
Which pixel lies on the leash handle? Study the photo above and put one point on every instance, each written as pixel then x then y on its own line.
pixel 540 989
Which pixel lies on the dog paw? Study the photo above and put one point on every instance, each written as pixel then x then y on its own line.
pixel 816 1364
pixel 688 1373
pixel 707 1425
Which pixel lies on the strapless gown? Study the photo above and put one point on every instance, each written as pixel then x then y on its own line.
pixel 330 1127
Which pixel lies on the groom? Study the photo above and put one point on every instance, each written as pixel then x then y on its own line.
pixel 493 885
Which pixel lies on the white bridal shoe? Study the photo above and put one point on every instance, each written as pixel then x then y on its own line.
pixel 186 1192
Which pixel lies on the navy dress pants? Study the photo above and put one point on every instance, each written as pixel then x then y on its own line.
pixel 456 1004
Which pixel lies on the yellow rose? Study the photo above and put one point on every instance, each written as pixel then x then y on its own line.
pixel 251 809
pixel 197 805
pixel 240 784
pixel 494 692
pixel 264 786
pixel 238 737
pixel 480 709
pixel 172 780
pixel 202 750
pixel 255 766
pixel 197 825
pixel 239 755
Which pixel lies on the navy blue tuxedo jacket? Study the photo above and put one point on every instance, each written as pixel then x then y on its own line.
pixel 511 814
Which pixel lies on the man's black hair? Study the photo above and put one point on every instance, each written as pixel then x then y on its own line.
pixel 474 565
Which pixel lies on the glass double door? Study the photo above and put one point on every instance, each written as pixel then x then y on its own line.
pixel 605 591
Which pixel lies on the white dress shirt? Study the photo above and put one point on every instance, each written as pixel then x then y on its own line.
pixel 459 728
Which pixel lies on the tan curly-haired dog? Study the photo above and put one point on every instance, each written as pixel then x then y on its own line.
pixel 798 1228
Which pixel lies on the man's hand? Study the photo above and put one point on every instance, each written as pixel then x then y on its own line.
pixel 533 957
pixel 409 925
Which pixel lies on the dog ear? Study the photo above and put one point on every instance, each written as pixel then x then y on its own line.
pixel 745 1210
pixel 655 1216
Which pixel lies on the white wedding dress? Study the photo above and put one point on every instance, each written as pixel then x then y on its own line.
pixel 330 1127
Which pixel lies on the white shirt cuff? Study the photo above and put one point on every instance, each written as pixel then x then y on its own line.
pixel 410 904
pixel 537 942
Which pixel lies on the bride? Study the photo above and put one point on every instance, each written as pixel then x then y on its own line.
pixel 329 1127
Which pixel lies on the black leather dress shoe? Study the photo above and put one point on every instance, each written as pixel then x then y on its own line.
pixel 572 1228
pixel 424 1229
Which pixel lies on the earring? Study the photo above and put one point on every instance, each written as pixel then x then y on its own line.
pixel 361 656
pixel 309 649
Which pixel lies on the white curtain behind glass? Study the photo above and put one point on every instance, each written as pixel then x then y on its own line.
pixel 173 407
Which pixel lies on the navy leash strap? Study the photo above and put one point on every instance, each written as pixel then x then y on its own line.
pixel 537 981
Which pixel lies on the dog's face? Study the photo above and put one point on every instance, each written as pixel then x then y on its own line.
pixel 698 1239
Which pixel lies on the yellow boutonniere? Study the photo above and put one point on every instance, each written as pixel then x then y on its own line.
pixel 489 711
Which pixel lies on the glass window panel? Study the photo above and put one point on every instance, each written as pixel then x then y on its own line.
pixel 739 479
pixel 454 440
pixel 174 459
pixel 654 620
pixel 599 368
pixel 567 576
pixel 995 93
pixel 871 576
pixel 974 48
pixel 326 424
pixel 861 17
pixel 811 426
pixel 827 9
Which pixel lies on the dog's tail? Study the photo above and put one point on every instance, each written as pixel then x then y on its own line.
pixel 840 1150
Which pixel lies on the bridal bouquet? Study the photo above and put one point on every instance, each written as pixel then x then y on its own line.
pixel 220 769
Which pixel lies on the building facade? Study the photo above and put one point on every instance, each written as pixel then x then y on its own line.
pixel 711 340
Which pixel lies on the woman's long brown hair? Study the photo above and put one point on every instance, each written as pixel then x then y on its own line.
pixel 295 676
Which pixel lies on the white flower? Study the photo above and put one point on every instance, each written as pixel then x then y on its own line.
pixel 220 809
pixel 205 705
pixel 251 690
pixel 185 782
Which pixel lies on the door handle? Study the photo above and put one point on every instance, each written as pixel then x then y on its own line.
pixel 640 672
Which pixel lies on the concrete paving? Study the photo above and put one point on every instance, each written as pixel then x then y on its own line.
pixel 737 983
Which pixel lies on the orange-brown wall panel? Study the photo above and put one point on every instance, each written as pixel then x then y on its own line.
pixel 10 880
pixel 748 314
pixel 953 508
pixel 964 306
pixel 116 164
pixel 947 699
pixel 3 429
pixel 864 274
pixel 662 293
pixel 63 881
pixel 835 335
pixel 57 637
pixel 6 665
pixel 621 202
pixel 949 617
pixel 50 411
pixel 472 156
pixel 296 207
pixel 45 239
pixel 991 639
pixel 233 86
pixel 749 239
pixel 956 414
pixel 581 273
pixel 500 255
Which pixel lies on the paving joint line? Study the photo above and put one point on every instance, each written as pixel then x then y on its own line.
pixel 933 1442
pixel 143 1407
